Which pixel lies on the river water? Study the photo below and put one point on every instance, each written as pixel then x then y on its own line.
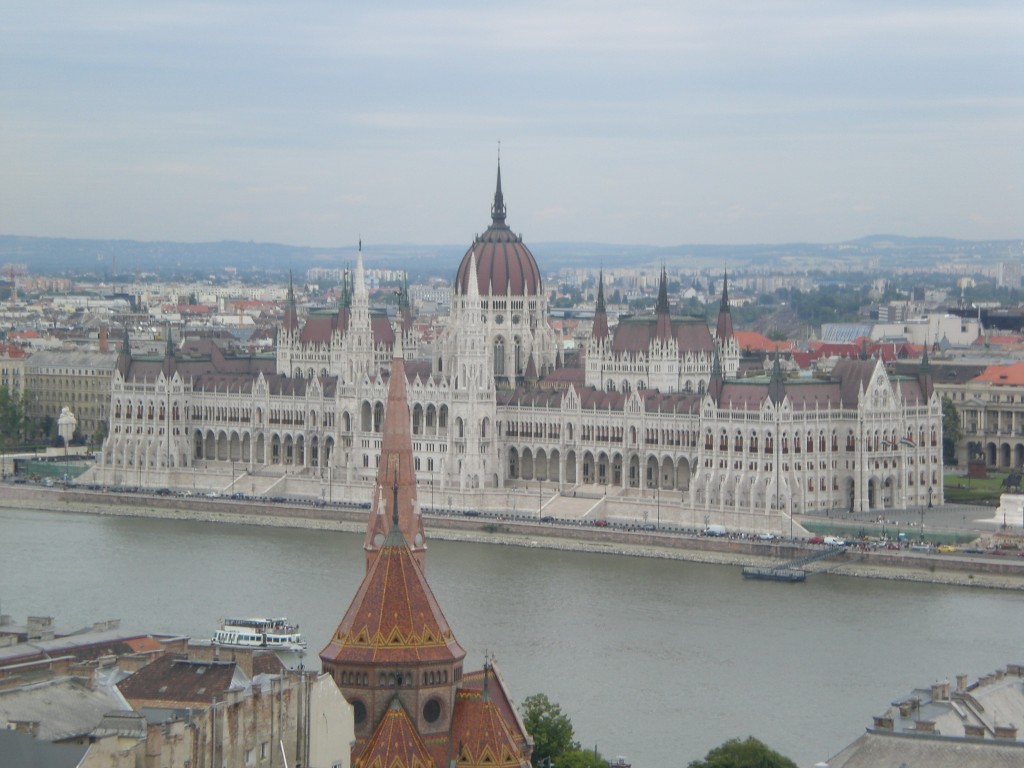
pixel 656 660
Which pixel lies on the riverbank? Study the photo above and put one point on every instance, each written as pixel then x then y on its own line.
pixel 988 573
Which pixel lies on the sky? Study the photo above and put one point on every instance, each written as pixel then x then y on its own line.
pixel 661 123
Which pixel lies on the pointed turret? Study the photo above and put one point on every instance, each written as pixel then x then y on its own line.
pixel 724 328
pixel 924 375
pixel 396 471
pixel 498 208
pixel 124 356
pixel 662 309
pixel 600 331
pixel 360 294
pixel 717 380
pixel 777 382
pixel 473 284
pixel 291 315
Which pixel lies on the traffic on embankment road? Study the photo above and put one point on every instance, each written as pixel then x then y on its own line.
pixel 967 566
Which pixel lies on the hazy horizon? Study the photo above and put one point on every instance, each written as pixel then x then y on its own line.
pixel 662 123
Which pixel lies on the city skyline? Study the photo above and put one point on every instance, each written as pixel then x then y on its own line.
pixel 659 124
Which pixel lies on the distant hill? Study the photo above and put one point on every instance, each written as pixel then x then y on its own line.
pixel 272 261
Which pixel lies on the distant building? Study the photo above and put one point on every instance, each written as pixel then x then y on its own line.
pixel 651 410
pixel 12 369
pixel 134 699
pixel 967 726
pixel 77 380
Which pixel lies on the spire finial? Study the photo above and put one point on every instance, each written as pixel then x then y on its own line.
pixel 498 209
pixel 662 307
pixel 600 291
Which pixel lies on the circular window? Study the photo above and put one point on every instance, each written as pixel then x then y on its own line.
pixel 432 710
pixel 499 319
pixel 358 711
pixel 419 539
pixel 378 540
pixel 515 319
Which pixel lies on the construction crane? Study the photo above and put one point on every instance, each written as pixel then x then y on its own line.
pixel 13 272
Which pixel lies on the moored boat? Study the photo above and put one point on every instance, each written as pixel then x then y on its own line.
pixel 274 634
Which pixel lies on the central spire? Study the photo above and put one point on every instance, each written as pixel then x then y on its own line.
pixel 394 499
pixel 498 209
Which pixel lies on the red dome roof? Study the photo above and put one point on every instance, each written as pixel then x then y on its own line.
pixel 504 266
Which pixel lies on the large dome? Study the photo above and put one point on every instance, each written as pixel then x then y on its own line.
pixel 504 266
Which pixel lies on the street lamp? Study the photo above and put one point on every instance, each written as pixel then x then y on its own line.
pixel 657 500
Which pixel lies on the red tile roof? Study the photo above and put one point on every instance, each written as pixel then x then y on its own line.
pixel 395 742
pixel 394 616
pixel 480 735
pixel 1003 375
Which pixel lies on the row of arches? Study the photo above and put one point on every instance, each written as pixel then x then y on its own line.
pixel 598 468
pixel 277 448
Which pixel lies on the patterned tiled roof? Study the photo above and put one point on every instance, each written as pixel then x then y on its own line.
pixel 396 474
pixel 395 742
pixel 480 735
pixel 394 616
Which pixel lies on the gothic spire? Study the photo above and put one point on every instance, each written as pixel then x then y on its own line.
pixel 396 474
pixel 600 329
pixel 723 330
pixel 664 327
pixel 498 209
pixel 662 306
pixel 291 317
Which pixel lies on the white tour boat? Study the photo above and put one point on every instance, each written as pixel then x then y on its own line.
pixel 275 634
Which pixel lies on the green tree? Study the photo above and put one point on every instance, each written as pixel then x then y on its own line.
pixel 581 758
pixel 11 420
pixel 550 728
pixel 743 754
pixel 951 430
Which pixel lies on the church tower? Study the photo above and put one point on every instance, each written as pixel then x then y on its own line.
pixel 395 489
pixel 394 655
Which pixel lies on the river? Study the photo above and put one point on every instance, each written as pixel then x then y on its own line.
pixel 657 660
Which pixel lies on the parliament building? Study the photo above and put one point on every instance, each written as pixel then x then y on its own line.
pixel 653 411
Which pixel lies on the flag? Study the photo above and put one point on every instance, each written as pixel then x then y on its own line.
pixel 907 442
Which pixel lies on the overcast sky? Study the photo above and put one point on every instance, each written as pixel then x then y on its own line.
pixel 312 123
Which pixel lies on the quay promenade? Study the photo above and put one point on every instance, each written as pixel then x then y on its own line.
pixel 1004 571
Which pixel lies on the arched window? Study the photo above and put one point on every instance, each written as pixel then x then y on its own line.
pixel 499 356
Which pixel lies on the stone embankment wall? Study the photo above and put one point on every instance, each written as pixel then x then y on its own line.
pixel 1005 572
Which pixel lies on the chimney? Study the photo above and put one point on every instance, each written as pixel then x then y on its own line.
pixel 884 723
pixel 974 731
pixel 1008 732
pixel 961 683
pixel 103 339
pixel 925 726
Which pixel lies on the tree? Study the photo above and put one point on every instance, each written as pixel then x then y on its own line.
pixel 550 728
pixel 951 430
pixel 581 758
pixel 11 419
pixel 743 754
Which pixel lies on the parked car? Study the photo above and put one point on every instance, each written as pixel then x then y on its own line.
pixel 945 548
pixel 816 540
